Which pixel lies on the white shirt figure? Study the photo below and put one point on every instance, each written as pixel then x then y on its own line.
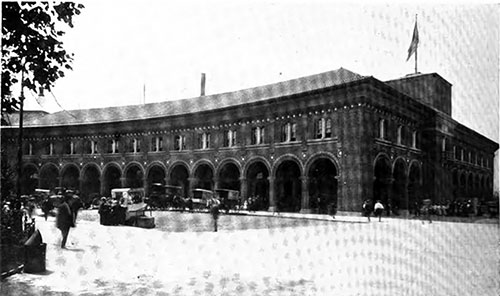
pixel 378 206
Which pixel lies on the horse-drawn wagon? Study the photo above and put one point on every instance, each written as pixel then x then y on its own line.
pixel 126 206
pixel 229 199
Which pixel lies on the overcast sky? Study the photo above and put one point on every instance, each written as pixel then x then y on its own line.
pixel 122 46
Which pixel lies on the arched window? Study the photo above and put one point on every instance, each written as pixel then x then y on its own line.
pixel 400 135
pixel 382 125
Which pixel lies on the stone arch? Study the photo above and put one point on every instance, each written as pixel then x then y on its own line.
pixel 203 175
pixel 91 181
pixel 253 160
pixel 462 181
pixel 29 178
pixel 470 183
pixel 288 184
pixel 226 161
pixel 323 154
pixel 202 162
pixel 399 196
pixel 49 176
pixel 455 183
pixel 322 176
pixel 228 174
pixel 155 173
pixel 178 175
pixel 112 175
pixel 90 164
pixel 256 174
pixel 155 164
pixel 414 186
pixel 382 178
pixel 70 175
pixel 287 157
pixel 134 175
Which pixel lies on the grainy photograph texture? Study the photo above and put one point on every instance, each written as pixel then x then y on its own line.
pixel 249 148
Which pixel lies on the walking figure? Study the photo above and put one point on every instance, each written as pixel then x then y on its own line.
pixel 379 209
pixel 64 220
pixel 213 205
pixel 367 209
pixel 426 209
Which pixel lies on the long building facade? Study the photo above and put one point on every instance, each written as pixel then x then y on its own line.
pixel 329 140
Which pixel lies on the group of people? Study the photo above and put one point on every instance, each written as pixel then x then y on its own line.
pixel 377 209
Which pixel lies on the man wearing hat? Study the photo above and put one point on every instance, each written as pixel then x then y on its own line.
pixel 64 219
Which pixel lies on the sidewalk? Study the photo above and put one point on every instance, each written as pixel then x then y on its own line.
pixel 315 259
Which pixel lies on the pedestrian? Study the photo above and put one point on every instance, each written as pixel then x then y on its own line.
pixel 47 206
pixel 379 209
pixel 213 205
pixel 64 220
pixel 367 209
pixel 426 209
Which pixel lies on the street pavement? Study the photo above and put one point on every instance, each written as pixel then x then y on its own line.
pixel 342 256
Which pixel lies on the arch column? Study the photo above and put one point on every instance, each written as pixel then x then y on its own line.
pixel 123 181
pixel 145 184
pixel 304 207
pixel 192 182
pixel 243 188
pixel 80 185
pixel 272 195
pixel 102 179
pixel 216 183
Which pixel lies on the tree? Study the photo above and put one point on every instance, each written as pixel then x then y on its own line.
pixel 31 47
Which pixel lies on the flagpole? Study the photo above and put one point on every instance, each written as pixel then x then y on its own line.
pixel 416 49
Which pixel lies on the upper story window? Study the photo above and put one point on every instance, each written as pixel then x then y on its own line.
pixel 136 146
pixel 113 146
pixel 289 132
pixel 400 135
pixel 156 144
pixel 462 154
pixel 443 144
pixel 382 128
pixel 455 152
pixel 28 149
pixel 49 149
pixel 323 128
pixel 90 147
pixel 204 141
pixel 469 157
pixel 179 142
pixel 258 135
pixel 93 147
pixel 414 139
pixel 69 148
pixel 229 138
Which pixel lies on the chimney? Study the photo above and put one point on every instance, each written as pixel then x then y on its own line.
pixel 202 84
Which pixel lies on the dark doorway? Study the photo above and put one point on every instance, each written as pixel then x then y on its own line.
pixel 288 187
pixel 323 186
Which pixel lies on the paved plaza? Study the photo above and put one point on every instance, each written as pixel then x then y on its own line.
pixel 260 255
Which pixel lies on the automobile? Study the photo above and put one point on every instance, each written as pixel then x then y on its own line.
pixel 166 197
pixel 200 198
pixel 229 199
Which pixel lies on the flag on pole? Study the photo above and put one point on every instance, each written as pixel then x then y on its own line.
pixel 414 42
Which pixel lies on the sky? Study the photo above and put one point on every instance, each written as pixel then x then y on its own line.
pixel 130 52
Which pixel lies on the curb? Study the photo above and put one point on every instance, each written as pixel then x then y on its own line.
pixel 13 271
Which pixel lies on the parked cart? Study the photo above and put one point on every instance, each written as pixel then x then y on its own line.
pixel 229 199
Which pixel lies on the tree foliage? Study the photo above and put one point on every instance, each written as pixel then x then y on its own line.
pixel 31 43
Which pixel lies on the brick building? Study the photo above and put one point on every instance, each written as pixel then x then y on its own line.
pixel 334 138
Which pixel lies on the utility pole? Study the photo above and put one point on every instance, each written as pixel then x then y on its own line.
pixel 20 143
